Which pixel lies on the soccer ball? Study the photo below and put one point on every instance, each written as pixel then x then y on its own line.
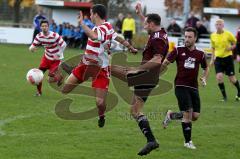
pixel 34 76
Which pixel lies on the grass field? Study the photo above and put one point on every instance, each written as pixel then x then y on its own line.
pixel 30 129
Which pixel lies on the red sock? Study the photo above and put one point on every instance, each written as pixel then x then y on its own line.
pixel 39 88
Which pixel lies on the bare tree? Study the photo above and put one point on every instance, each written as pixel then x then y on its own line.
pixel 16 7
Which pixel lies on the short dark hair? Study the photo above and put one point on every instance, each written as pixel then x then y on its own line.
pixel 191 29
pixel 100 10
pixel 155 18
pixel 44 21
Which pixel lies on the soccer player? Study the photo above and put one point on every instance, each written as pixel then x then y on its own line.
pixel 54 46
pixel 238 48
pixel 223 42
pixel 188 59
pixel 95 61
pixel 153 55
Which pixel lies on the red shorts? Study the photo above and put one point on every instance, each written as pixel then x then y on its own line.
pixel 51 65
pixel 100 76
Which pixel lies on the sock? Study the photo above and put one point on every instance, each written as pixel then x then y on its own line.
pixel 145 128
pixel 39 88
pixel 222 89
pixel 236 84
pixel 187 131
pixel 101 111
pixel 176 115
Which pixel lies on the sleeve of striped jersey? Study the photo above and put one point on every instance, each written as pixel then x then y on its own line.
pixel 114 35
pixel 60 40
pixel 100 34
pixel 36 41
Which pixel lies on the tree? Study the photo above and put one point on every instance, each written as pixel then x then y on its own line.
pixel 115 6
pixel 16 6
pixel 217 3
pixel 104 2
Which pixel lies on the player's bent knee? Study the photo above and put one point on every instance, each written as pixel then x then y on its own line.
pixel 232 79
pixel 219 77
pixel 100 103
pixel 64 91
pixel 195 116
pixel 134 113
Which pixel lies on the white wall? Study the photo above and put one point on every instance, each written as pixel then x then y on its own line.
pixel 231 23
pixel 16 35
pixel 65 15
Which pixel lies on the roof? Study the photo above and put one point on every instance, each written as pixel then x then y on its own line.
pixel 56 3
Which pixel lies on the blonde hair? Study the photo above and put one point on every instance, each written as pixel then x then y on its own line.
pixel 219 21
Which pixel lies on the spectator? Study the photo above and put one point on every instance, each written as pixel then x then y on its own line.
pixel 192 21
pixel 77 37
pixel 60 29
pixel 174 28
pixel 128 28
pixel 36 22
pixel 67 33
pixel 53 26
pixel 118 25
pixel 201 29
pixel 87 22
pixel 237 50
pixel 205 23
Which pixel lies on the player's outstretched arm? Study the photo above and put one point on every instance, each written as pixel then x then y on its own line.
pixel 212 58
pixel 203 79
pixel 126 44
pixel 33 48
pixel 164 65
pixel 154 62
pixel 139 11
pixel 91 34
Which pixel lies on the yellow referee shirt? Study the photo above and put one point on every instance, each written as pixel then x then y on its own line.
pixel 220 42
pixel 129 25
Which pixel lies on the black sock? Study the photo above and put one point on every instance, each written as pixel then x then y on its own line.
pixel 187 131
pixel 222 89
pixel 176 115
pixel 236 84
pixel 145 128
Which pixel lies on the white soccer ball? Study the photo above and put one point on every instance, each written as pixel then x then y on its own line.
pixel 34 76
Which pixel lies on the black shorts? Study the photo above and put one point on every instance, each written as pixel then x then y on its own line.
pixel 224 65
pixel 128 35
pixel 143 91
pixel 188 98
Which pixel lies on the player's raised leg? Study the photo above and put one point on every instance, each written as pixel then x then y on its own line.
pixel 70 84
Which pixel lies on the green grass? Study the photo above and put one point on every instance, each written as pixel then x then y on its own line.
pixel 30 129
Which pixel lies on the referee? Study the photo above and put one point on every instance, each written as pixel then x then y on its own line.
pixel 223 42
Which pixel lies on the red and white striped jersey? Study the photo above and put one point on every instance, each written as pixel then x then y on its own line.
pixel 97 50
pixel 53 43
